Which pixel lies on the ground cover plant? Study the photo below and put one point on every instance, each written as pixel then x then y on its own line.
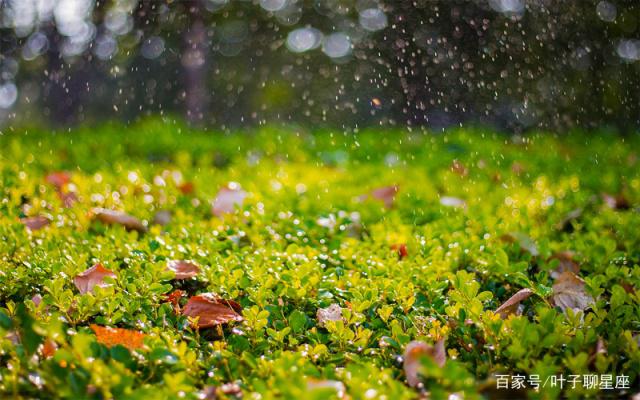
pixel 154 261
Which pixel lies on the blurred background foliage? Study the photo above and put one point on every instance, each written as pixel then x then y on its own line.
pixel 511 64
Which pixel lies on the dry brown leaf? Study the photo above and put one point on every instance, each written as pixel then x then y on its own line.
pixel 331 313
pixel 415 352
pixel 112 217
pixel 35 223
pixel 117 336
pixel 212 311
pixel 227 199
pixel 569 292
pixel 616 202
pixel 183 269
pixel 567 262
pixel 511 306
pixel 94 276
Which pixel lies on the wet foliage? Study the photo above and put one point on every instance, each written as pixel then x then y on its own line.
pixel 368 265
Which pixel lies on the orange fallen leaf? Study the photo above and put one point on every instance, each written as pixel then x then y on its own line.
pixel 183 269
pixel 58 179
pixel 569 292
pixel 386 194
pixel 112 217
pixel 48 348
pixel 35 223
pixel 110 337
pixel 174 298
pixel 211 310
pixel 227 199
pixel 415 352
pixel 401 249
pixel 186 187
pixel 511 305
pixel 94 276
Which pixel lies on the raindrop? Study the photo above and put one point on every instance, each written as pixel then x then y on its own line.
pixel 36 45
pixel 508 7
pixel 118 22
pixel 215 5
pixel 629 49
pixel 303 39
pixel 336 45
pixel 105 47
pixel 606 11
pixel 152 48
pixel 373 19
pixel 8 95
pixel 273 5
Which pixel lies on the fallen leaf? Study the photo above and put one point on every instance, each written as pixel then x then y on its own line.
pixel 35 223
pixel 616 202
pixel 186 188
pixel 449 201
pixel 569 292
pixel 110 337
pixel 94 276
pixel 174 298
pixel 212 311
pixel 459 168
pixel 68 199
pixel 48 348
pixel 415 352
pixel 183 269
pixel 386 194
pixel 37 299
pixel 58 179
pixel 112 217
pixel 227 199
pixel 566 263
pixel 511 306
pixel 517 168
pixel 340 389
pixel 401 249
pixel 331 313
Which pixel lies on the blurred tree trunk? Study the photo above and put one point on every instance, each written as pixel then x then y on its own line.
pixel 57 96
pixel 194 62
